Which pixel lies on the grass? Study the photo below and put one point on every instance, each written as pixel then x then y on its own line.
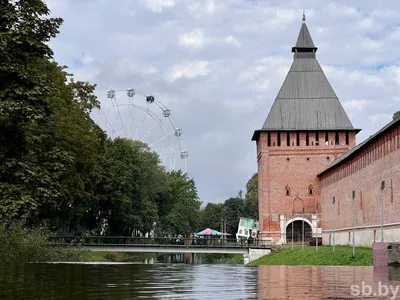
pixel 324 257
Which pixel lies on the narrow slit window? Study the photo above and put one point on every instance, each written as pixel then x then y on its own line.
pixel 287 190
pixel 278 136
pixel 307 139
pixel 347 137
pixel 310 190
pixel 297 139
pixel 288 138
pixel 336 138
pixel 326 138
pixel 269 139
pixel 316 139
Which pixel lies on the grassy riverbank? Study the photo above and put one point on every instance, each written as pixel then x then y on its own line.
pixel 324 257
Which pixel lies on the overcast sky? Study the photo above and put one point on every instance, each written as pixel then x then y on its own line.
pixel 218 65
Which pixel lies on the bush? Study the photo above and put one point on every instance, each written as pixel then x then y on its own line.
pixel 111 256
pixel 20 244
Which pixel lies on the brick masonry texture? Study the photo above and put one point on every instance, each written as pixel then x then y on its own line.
pixel 294 168
pixel 363 173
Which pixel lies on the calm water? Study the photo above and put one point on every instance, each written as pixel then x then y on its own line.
pixel 178 281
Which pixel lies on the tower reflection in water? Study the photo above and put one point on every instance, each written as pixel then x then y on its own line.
pixel 324 282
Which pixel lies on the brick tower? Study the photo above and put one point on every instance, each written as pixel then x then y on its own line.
pixel 306 129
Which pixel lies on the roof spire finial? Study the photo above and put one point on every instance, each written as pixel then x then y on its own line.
pixel 304 16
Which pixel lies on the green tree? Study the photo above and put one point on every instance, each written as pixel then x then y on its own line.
pixel 211 216
pixel 29 166
pixel 130 185
pixel 396 115
pixel 234 208
pixel 251 198
pixel 185 208
pixel 48 141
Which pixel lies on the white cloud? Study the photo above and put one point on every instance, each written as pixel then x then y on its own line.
pixel 194 38
pixel 356 105
pixel 232 40
pixel 205 7
pixel 215 62
pixel 158 5
pixel 370 44
pixel 380 118
pixel 365 24
pixel 189 70
pixel 258 76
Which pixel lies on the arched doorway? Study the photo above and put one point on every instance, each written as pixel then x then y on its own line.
pixel 297 226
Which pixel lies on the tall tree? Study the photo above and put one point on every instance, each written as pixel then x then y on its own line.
pixel 233 209
pixel 185 211
pixel 132 181
pixel 211 216
pixel 251 197
pixel 396 115
pixel 29 166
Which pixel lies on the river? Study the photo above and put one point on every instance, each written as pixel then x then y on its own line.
pixel 179 281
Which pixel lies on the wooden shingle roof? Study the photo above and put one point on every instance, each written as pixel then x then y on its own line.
pixel 306 100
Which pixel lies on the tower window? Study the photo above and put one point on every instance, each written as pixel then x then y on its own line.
pixel 308 158
pixel 288 138
pixel 297 138
pixel 326 138
pixel 287 158
pixel 316 139
pixel 287 190
pixel 307 140
pixel 391 191
pixel 310 190
pixel 269 139
pixel 347 137
pixel 336 138
pixel 278 136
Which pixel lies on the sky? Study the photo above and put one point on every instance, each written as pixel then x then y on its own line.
pixel 219 64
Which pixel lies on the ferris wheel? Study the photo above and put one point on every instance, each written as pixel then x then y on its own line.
pixel 138 116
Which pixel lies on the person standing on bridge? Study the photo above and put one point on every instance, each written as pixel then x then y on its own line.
pixel 257 239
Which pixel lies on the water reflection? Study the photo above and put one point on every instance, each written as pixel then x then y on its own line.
pixel 180 281
pixel 309 282
pixel 127 281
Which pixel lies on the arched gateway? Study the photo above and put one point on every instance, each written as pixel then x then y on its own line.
pixel 294 231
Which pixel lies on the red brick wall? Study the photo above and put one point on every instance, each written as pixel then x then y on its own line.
pixel 363 173
pixel 295 167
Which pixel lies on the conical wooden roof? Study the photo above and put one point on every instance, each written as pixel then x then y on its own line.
pixel 306 100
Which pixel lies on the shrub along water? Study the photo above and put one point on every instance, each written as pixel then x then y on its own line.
pixel 19 244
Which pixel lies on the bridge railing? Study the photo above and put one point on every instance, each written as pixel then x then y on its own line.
pixel 156 242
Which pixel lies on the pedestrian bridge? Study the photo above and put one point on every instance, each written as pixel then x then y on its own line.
pixel 160 244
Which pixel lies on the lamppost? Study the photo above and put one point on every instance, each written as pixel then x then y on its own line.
pixel 316 228
pixel 333 224
pixel 292 228
pixel 354 240
pixel 302 235
pixel 382 188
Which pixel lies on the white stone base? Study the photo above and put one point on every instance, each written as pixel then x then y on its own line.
pixel 363 237
pixel 255 254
